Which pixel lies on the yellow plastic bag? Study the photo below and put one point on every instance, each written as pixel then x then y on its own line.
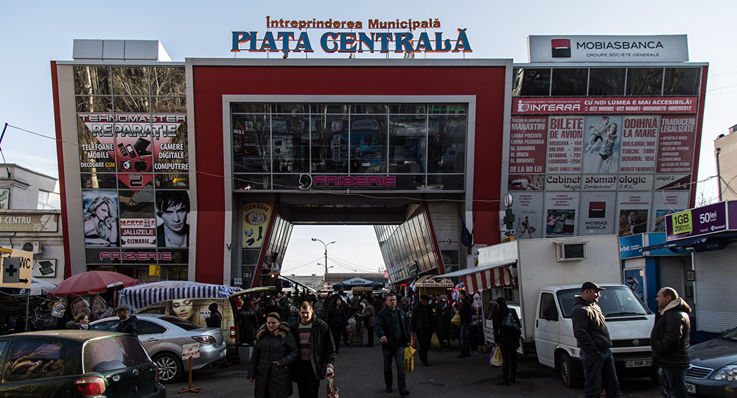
pixel 434 341
pixel 456 320
pixel 409 359
pixel 496 358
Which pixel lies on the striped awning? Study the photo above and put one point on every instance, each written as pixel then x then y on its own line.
pixel 139 296
pixel 486 279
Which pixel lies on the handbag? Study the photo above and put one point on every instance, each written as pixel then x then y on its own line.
pixel 496 357
pixel 332 388
pixel 510 321
pixel 456 320
pixel 409 359
pixel 434 341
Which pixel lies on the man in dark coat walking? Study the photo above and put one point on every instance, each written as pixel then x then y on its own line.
pixel 506 336
pixel 393 332
pixel 337 319
pixel 669 340
pixel 592 335
pixel 466 313
pixel 128 323
pixel 423 326
pixel 316 351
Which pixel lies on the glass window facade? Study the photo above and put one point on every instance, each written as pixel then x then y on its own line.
pixel 422 146
pixel 407 249
pixel 132 131
pixel 606 81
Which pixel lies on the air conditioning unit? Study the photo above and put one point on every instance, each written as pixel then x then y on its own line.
pixel 570 251
pixel 35 247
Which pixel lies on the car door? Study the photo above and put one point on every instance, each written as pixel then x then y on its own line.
pixel 150 335
pixel 546 329
pixel 35 367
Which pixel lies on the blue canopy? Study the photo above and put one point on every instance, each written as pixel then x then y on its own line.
pixel 357 282
pixel 139 296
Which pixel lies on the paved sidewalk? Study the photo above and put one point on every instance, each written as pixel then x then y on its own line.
pixel 359 373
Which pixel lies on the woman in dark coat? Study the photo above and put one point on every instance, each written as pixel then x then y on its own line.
pixel 275 349
pixel 508 340
pixel 338 320
pixel 248 323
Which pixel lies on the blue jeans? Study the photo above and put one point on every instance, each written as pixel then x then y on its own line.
pixel 463 337
pixel 398 355
pixel 674 382
pixel 598 372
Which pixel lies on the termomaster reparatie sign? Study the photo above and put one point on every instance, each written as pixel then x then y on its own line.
pixel 346 36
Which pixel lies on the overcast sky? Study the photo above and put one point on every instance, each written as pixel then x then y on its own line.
pixel 35 32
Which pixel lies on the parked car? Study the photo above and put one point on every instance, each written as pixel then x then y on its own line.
pixel 713 369
pixel 76 363
pixel 163 337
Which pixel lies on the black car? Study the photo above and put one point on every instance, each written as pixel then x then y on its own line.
pixel 76 363
pixel 713 369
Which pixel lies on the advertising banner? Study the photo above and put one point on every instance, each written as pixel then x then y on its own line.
pixel 674 182
pixel 24 222
pixel 560 214
pixel 629 246
pixel 527 144
pixel 634 278
pixel 597 213
pixel 256 218
pixel 609 48
pixel 602 144
pixel 528 208
pixel 124 142
pixel 4 198
pixel 138 232
pixel 563 182
pixel 604 105
pixel 676 144
pixel 666 203
pixel 639 144
pixel 172 218
pixel 695 222
pixel 100 214
pixel 634 209
pixel 599 182
pixel 565 143
pixel 526 182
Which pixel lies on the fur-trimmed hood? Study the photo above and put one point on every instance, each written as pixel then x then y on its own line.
pixel 280 332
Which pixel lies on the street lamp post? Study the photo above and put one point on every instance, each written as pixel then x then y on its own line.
pixel 325 245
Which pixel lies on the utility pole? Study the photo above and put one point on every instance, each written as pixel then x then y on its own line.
pixel 325 245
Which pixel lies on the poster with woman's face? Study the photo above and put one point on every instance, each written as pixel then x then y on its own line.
pixel 100 215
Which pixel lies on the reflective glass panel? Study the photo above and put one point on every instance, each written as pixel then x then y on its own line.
pixel 569 81
pixel 94 104
pixel 534 82
pixel 168 80
pixel 368 144
pixel 330 144
pixel 290 141
pixel 644 81
pixel 251 149
pixel 447 144
pixel 682 81
pixel 91 80
pixel 130 80
pixel 606 81
pixel 407 143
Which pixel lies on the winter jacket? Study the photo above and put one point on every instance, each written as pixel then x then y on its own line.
pixel 214 320
pixel 338 316
pixel 384 327
pixel 466 310
pixel 129 325
pixel 368 314
pixel 247 325
pixel 505 336
pixel 422 319
pixel 589 327
pixel 322 347
pixel 670 335
pixel 273 381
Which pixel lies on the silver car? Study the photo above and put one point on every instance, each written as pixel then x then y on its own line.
pixel 163 337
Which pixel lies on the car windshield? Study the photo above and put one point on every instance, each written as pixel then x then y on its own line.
pixel 111 353
pixel 186 325
pixel 614 301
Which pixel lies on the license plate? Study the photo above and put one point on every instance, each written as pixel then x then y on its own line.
pixel 690 388
pixel 639 363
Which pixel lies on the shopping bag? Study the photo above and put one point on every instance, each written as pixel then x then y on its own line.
pixel 332 388
pixel 456 320
pixel 496 357
pixel 409 359
pixel 434 341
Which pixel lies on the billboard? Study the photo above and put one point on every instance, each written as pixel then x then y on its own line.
pixel 562 48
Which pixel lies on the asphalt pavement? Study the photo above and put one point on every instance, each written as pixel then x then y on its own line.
pixel 359 373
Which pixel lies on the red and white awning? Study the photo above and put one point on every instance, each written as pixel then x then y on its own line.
pixel 486 279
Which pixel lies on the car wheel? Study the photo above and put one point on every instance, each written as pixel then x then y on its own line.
pixel 170 367
pixel 567 372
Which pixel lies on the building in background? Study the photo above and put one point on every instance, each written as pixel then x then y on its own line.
pixel 725 153
pixel 30 219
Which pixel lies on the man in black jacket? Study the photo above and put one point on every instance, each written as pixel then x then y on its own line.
pixel 316 355
pixel 466 313
pixel 669 340
pixel 422 326
pixel 592 336
pixel 128 323
pixel 391 328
